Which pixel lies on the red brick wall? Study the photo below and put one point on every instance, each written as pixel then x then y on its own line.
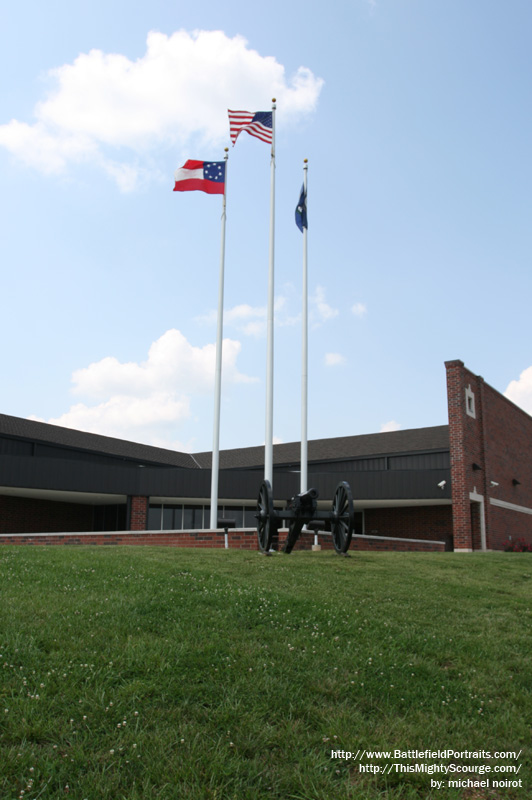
pixel 508 525
pixel 242 540
pixel 139 514
pixel 381 543
pixel 24 514
pixel 237 539
pixel 466 448
pixel 499 440
pixel 413 522
pixel 508 456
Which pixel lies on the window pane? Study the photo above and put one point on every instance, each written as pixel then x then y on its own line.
pixel 121 518
pixel 236 513
pixel 168 518
pixel 250 520
pixel 154 518
pixel 178 518
pixel 193 517
pixel 99 518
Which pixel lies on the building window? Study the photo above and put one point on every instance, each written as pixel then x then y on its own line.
pixel 236 513
pixel 250 518
pixel 178 518
pixel 470 402
pixel 154 517
pixel 165 518
pixel 109 518
pixel 193 517
pixel 168 518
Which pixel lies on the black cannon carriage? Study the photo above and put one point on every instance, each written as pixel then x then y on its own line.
pixel 302 509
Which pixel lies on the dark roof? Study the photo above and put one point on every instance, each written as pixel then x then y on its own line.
pixel 337 449
pixel 343 447
pixel 92 442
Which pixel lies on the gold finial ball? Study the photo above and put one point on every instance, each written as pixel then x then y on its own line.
pixel 226 149
pixel 305 161
pixel 274 100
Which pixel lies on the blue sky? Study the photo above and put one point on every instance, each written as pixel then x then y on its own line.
pixel 416 120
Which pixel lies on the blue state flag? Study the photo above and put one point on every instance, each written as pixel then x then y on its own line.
pixel 301 210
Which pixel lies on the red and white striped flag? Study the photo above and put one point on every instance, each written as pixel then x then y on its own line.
pixel 204 176
pixel 256 123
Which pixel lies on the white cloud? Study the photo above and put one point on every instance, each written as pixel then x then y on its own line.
pixel 147 401
pixel 251 320
pixel 392 425
pixel 178 90
pixel 520 391
pixel 334 359
pixel 321 310
pixel 359 309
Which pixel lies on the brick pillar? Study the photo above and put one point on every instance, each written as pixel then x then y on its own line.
pixel 138 513
pixel 466 442
pixel 462 534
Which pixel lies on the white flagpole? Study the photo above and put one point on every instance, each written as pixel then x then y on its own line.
pixel 304 353
pixel 218 374
pixel 268 450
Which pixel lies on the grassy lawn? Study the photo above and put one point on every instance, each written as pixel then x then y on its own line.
pixel 137 672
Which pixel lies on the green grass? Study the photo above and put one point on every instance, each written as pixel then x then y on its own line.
pixel 140 673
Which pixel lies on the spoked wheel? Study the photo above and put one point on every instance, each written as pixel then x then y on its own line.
pixel 343 517
pixel 265 517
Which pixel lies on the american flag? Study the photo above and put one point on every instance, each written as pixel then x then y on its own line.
pixel 256 123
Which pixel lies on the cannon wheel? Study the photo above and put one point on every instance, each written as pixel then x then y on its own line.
pixel 266 521
pixel 343 517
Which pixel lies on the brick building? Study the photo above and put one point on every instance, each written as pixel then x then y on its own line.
pixel 490 443
pixel 463 486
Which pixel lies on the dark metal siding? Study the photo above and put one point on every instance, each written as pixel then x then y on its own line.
pixel 437 460
pixel 353 465
pixel 65 475
pixel 15 447
pixel 420 461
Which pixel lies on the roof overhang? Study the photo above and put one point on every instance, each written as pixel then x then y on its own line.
pixel 58 496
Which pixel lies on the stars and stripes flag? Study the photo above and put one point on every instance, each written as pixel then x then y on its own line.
pixel 256 123
pixel 203 176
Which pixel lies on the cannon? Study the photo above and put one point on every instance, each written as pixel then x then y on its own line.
pixel 302 509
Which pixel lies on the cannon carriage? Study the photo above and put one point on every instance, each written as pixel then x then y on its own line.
pixel 302 509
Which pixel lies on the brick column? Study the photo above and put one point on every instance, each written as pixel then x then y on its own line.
pixel 466 449
pixel 138 514
pixel 462 534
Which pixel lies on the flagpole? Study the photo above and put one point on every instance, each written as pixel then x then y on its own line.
pixel 218 372
pixel 304 351
pixel 268 450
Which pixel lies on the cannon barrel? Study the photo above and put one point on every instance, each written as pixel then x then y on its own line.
pixel 310 494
